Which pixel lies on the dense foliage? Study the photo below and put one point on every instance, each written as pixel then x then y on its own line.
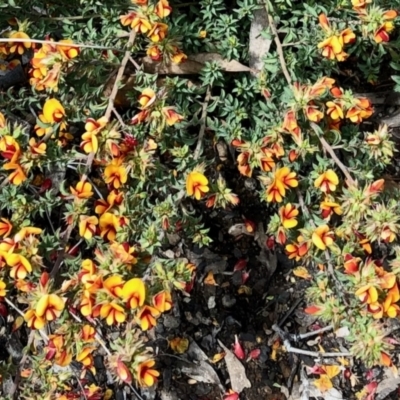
pixel 103 161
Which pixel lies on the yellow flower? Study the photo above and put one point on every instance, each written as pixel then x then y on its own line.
pixel 196 185
pixel 322 237
pixel 327 181
pixel 18 175
pixel 19 47
pixel 50 307
pixel 82 190
pixel 147 376
pixel 112 313
pixel 134 293
pixel 115 174
pixel 87 226
pixel 53 111
pixel 20 266
pixel 288 214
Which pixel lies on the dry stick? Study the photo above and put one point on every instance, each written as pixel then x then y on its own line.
pixel 120 74
pixel 279 48
pixel 80 45
pixel 342 167
pixel 286 342
pixel 203 121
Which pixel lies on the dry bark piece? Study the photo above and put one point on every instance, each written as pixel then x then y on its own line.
pixel 236 371
pixel 258 45
pixel 199 368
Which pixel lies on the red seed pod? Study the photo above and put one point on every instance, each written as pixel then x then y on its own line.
pixel 238 349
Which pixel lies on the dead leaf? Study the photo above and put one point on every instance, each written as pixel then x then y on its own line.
pixel 217 357
pixel 236 371
pixel 179 345
pixel 301 272
pixel 209 279
pixel 193 65
pixel 199 369
pixel 323 383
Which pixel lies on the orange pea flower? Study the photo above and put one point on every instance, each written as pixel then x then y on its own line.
pixel 334 110
pixel 18 175
pixel 141 24
pixel 196 185
pixel 68 50
pixel 82 190
pixel 19 47
pixel 113 313
pixel 147 376
pixel 290 124
pixel 162 301
pixel 147 98
pixel 127 19
pixel 322 237
pixel 88 333
pixel 283 179
pixel 115 174
pixel 87 226
pixel 147 317
pixel 351 264
pixel 360 5
pixel 9 148
pixel 134 293
pixel 330 207
pixel 50 307
pixel 313 114
pixel 158 32
pixel 109 224
pixel 163 9
pixel 123 372
pixel 382 33
pixel 33 321
pixel 86 304
pixel 53 111
pixel 171 116
pixel 327 181
pixel 20 266
pixel 177 56
pixel 288 214
pixel 37 149
pixel 361 110
pixel 154 52
pixel 297 250
pixel 114 198
pixel 113 285
pixel 5 227
pixel 367 294
pixel 140 117
pixel 85 357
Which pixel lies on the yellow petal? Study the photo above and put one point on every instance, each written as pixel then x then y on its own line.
pixel 42 305
pixel 316 239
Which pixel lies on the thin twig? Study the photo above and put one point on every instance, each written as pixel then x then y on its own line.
pixel 132 60
pixel 101 342
pixel 203 122
pixel 286 342
pixel 80 45
pixel 121 70
pixel 14 389
pixel 341 166
pixel 279 48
